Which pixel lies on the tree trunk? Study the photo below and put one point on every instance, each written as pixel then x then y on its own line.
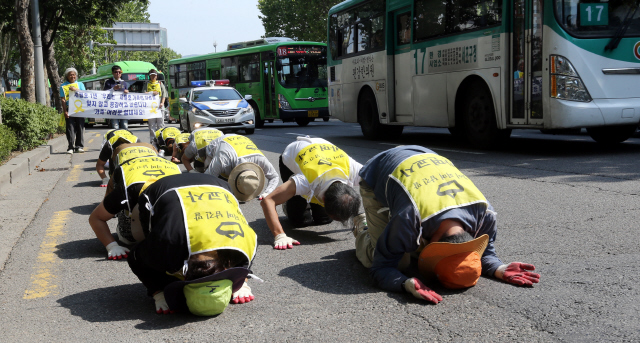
pixel 52 68
pixel 28 86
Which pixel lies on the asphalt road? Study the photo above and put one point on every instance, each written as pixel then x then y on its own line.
pixel 564 204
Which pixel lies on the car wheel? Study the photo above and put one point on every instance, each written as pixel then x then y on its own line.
pixel 270 120
pixel 326 118
pixel 370 122
pixel 303 121
pixel 249 131
pixel 611 135
pixel 479 119
pixel 259 120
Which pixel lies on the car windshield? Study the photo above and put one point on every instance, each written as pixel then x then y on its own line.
pixel 215 95
pixel 598 18
pixel 302 66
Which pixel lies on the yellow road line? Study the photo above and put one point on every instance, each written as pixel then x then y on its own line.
pixel 75 172
pixel 97 135
pixel 91 140
pixel 43 277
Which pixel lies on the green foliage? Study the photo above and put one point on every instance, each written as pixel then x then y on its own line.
pixel 8 142
pixel 32 123
pixel 303 20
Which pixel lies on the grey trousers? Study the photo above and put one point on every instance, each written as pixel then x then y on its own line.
pixel 75 133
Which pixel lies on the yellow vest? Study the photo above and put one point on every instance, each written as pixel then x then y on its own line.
pixel 155 86
pixel 132 152
pixel 128 136
pixel 66 89
pixel 140 170
pixel 214 221
pixel 243 146
pixel 203 137
pixel 168 132
pixel 321 160
pixel 182 138
pixel 435 184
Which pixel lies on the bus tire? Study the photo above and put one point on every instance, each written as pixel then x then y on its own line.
pixel 303 121
pixel 88 125
pixel 370 122
pixel 325 118
pixel 611 135
pixel 479 118
pixel 256 113
pixel 270 120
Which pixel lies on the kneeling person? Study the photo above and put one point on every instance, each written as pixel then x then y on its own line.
pixel 180 144
pixel 415 198
pixel 197 149
pixel 112 140
pixel 129 179
pixel 313 171
pixel 165 139
pixel 196 256
pixel 234 150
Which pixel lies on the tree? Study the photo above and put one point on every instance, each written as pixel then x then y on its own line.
pixel 27 88
pixel 304 20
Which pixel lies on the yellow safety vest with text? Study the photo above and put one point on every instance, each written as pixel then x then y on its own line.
pixel 66 89
pixel 435 184
pixel 214 221
pixel 321 160
pixel 243 146
pixel 203 138
pixel 126 135
pixel 132 152
pixel 169 132
pixel 140 170
pixel 154 87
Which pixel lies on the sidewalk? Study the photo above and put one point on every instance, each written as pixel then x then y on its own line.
pixel 24 188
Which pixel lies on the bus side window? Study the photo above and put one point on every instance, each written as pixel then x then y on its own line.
pixel 173 95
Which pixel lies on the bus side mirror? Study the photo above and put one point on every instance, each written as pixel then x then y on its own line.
pixel 248 97
pixel 183 100
pixel 173 96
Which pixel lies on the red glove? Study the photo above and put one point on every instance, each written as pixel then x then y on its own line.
pixel 420 291
pixel 520 274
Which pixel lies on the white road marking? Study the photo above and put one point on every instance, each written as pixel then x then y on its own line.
pixel 295 134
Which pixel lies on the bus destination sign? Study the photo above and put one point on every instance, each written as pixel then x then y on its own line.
pixel 285 51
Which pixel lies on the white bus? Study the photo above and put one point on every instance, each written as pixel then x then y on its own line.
pixel 484 67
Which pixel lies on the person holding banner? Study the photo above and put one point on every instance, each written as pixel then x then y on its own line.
pixel 197 148
pixel 117 84
pixel 232 151
pixel 130 178
pixel 75 125
pixel 157 88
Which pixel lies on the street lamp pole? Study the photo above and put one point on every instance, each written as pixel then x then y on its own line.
pixel 215 46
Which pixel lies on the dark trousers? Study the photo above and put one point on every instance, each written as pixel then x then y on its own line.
pixel 297 206
pixel 75 132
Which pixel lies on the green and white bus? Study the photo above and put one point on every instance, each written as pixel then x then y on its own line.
pixel 484 67
pixel 286 79
pixel 134 73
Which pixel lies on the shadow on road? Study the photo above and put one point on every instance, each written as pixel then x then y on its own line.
pixel 86 248
pixel 306 235
pixel 84 209
pixel 123 303
pixel 94 184
pixel 340 273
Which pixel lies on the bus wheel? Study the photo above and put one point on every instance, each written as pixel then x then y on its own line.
pixel 256 113
pixel 303 121
pixel 610 135
pixel 370 122
pixel 270 120
pixel 325 118
pixel 479 119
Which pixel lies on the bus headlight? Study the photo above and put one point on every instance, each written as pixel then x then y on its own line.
pixel 566 84
pixel 284 104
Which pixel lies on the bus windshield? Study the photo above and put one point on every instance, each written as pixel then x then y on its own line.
pixel 598 18
pixel 215 95
pixel 302 66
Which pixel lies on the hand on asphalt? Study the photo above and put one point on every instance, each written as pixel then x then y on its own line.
pixel 243 295
pixel 420 291
pixel 161 304
pixel 116 252
pixel 282 242
pixel 105 181
pixel 520 274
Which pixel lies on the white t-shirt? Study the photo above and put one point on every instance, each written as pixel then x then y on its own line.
pixel 319 186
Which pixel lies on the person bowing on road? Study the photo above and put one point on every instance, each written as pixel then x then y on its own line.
pixel 197 255
pixel 197 149
pixel 165 139
pixel 180 144
pixel 128 179
pixel 417 203
pixel 313 171
pixel 112 140
pixel 233 150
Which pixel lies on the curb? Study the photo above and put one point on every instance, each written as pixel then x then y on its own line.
pixel 22 165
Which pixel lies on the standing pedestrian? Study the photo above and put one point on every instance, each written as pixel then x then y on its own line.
pixel 157 88
pixel 75 125
pixel 117 84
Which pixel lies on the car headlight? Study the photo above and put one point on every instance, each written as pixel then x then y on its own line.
pixel 247 110
pixel 201 113
pixel 565 82
pixel 283 103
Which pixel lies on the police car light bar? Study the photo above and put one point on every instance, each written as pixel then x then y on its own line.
pixel 209 83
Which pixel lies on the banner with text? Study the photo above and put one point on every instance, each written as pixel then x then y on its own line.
pixel 113 105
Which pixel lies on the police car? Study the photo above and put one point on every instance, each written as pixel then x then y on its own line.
pixel 213 103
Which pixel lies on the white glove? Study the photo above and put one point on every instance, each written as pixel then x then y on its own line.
pixel 161 304
pixel 105 181
pixel 116 252
pixel 193 171
pixel 243 295
pixel 282 242
pixel 420 291
pixel 262 196
pixel 161 153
